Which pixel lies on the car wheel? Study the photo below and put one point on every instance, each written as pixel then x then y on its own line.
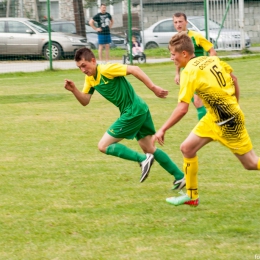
pixel 56 51
pixel 92 46
pixel 151 45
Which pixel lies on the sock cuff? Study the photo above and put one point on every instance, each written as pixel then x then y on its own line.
pixel 201 108
pixel 190 160
pixel 258 164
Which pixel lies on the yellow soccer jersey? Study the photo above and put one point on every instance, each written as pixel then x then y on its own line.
pixel 210 79
pixel 200 43
pixel 108 71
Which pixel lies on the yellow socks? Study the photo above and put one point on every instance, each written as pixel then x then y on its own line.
pixel 190 169
pixel 258 164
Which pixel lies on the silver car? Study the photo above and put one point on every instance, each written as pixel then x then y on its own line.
pixel 227 39
pixel 92 36
pixel 26 37
pixel 159 34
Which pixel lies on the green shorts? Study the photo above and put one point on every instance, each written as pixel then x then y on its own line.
pixel 132 127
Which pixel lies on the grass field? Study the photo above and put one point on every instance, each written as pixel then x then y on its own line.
pixel 62 199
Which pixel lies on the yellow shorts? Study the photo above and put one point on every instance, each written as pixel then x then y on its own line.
pixel 231 134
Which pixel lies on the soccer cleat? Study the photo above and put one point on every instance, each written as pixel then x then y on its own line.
pixel 184 199
pixel 146 166
pixel 193 203
pixel 179 184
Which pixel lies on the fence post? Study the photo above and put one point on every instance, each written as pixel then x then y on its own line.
pixel 49 31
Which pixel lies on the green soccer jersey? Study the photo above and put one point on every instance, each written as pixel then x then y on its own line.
pixel 200 43
pixel 210 79
pixel 112 85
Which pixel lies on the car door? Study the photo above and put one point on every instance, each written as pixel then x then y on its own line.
pixel 3 38
pixel 163 32
pixel 21 39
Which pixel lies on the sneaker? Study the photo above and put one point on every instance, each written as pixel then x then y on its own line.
pixel 184 199
pixel 179 184
pixel 146 166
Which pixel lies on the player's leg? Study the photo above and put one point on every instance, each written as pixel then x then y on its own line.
pixel 189 149
pixel 125 127
pixel 164 160
pixel 249 160
pixel 144 137
pixel 201 110
pixel 111 146
pixel 107 46
pixel 100 49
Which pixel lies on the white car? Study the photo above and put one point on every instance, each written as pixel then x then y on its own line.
pixel 160 33
pixel 26 37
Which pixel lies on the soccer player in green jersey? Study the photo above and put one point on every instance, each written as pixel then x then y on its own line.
pixel 224 121
pixel 135 120
pixel 201 45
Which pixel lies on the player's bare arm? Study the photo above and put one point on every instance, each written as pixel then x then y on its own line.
pixel 83 98
pixel 91 23
pixel 177 75
pixel 139 74
pixel 237 90
pixel 178 113
pixel 212 52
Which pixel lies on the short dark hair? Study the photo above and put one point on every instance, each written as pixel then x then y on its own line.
pixel 182 42
pixel 180 15
pixel 102 4
pixel 84 53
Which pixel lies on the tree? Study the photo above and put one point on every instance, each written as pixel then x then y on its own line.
pixel 79 17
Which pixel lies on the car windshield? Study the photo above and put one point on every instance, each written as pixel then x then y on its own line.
pixel 200 24
pixel 39 27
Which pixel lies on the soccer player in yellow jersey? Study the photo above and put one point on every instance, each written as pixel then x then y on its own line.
pixel 224 121
pixel 135 120
pixel 201 44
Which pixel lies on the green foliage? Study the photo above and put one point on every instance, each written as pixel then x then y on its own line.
pixel 63 199
pixel 91 3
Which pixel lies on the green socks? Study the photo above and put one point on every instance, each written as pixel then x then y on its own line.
pixel 201 112
pixel 120 150
pixel 166 162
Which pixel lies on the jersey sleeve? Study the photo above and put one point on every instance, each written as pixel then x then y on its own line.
pixel 226 66
pixel 88 88
pixel 205 44
pixel 113 70
pixel 96 17
pixel 187 86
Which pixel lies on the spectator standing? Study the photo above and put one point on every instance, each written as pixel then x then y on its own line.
pixel 104 24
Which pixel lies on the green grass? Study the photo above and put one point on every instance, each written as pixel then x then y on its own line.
pixel 164 53
pixel 62 199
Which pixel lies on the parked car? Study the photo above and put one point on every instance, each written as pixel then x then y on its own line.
pixel 159 34
pixel 26 37
pixel 91 34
